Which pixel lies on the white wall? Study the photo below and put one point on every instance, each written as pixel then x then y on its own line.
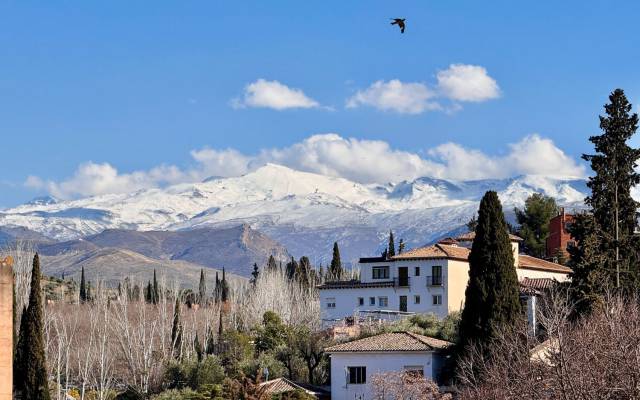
pixel 347 299
pixel 375 363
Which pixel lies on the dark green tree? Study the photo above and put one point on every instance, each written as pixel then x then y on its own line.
pixel 210 344
pixel 335 269
pixel 586 261
pixel 148 293
pixel 176 330
pixel 472 224
pixel 216 290
pixel 534 223
pixel 31 367
pixel 83 287
pixel 224 287
pixel 255 274
pixel 271 263
pixel 392 246
pixel 492 294
pixel 614 209
pixel 202 289
pixel 303 274
pixel 198 347
pixel 155 293
pixel 291 268
pixel 401 246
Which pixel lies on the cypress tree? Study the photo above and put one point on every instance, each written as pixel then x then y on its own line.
pixel 148 293
pixel 31 366
pixel 224 287
pixel 304 271
pixel 614 165
pixel 83 287
pixel 176 330
pixel 216 290
pixel 198 347
pixel 586 262
pixel 155 294
pixel 335 269
pixel 492 294
pixel 291 268
pixel 255 274
pixel 210 346
pixel 271 263
pixel 202 288
pixel 401 246
pixel 392 246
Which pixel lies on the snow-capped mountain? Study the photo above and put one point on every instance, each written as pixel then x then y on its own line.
pixel 306 212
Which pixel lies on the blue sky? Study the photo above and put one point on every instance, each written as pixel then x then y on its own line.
pixel 143 84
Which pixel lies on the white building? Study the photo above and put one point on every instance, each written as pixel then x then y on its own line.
pixel 430 279
pixel 353 364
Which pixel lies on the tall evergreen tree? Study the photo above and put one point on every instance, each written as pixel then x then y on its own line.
pixel 176 330
pixel 492 294
pixel 148 293
pixel 198 347
pixel 202 288
pixel 586 262
pixel 31 367
pixel 613 207
pixel 271 263
pixel 392 246
pixel 216 290
pixel 401 246
pixel 224 287
pixel 335 269
pixel 291 268
pixel 534 223
pixel 304 271
pixel 255 274
pixel 155 293
pixel 83 287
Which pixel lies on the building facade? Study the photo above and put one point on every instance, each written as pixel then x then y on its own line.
pixel 430 279
pixel 559 238
pixel 355 364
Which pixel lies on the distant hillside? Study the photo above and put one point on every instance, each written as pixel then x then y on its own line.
pixel 113 265
pixel 236 248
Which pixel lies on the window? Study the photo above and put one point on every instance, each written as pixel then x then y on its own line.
pixel 380 272
pixel 372 301
pixel 331 302
pixel 383 301
pixel 360 301
pixel 416 299
pixel 436 275
pixel 357 375
pixel 415 370
pixel 437 299
pixel 417 271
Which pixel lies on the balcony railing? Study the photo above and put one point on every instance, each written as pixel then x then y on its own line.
pixel 401 282
pixel 435 280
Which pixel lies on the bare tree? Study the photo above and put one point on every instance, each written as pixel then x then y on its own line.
pixel 405 385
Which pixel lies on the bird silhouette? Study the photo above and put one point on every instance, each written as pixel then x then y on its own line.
pixel 399 22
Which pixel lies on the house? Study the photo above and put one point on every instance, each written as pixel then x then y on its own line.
pixel 284 385
pixel 353 364
pixel 430 279
pixel 559 238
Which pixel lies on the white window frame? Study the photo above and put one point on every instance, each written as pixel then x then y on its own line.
pixel 436 299
pixel 380 301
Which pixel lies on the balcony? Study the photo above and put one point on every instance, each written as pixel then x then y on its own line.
pixel 401 281
pixel 435 280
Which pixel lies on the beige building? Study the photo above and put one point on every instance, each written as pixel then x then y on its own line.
pixel 429 279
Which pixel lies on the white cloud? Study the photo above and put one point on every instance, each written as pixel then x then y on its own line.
pixel 273 94
pixel 360 160
pixel 458 83
pixel 463 82
pixel 404 98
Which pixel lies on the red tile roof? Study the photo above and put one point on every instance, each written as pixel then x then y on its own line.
pixel 528 262
pixel 391 342
pixel 435 251
pixel 469 236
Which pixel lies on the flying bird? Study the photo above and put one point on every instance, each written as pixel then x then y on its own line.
pixel 399 22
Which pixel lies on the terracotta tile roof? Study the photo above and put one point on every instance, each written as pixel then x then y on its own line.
pixel 438 250
pixel 469 236
pixel 390 342
pixel 284 385
pixel 528 262
pixel 538 283
pixel 354 284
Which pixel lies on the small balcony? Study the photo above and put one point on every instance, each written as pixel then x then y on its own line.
pixel 401 281
pixel 435 280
